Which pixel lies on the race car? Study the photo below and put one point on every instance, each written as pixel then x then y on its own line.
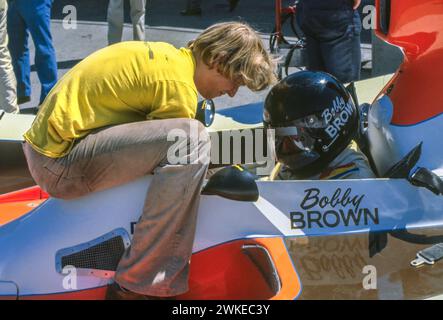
pixel 335 239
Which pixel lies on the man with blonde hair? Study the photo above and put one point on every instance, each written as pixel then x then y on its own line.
pixel 107 121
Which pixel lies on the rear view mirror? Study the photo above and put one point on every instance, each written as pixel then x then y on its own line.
pixel 205 112
pixel 234 183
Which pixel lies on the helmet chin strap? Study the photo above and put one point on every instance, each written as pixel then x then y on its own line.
pixel 314 168
pixel 306 171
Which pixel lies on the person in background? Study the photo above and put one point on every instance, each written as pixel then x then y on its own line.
pixel 105 124
pixel 115 19
pixel 315 122
pixel 8 84
pixel 193 7
pixel 332 29
pixel 31 17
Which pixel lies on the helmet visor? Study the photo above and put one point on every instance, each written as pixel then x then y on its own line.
pixel 295 144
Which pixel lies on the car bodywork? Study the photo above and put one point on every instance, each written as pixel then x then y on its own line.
pixel 337 239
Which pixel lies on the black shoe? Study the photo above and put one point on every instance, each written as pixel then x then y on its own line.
pixel 33 110
pixel 117 292
pixel 191 12
pixel 23 99
pixel 233 4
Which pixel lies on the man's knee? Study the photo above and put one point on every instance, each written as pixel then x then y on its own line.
pixel 204 143
pixel 190 140
pixel 196 131
pixel 191 127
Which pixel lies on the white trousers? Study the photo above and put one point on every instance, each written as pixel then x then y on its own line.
pixel 116 17
pixel 8 84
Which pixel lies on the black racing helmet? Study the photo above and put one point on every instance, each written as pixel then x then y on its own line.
pixel 314 118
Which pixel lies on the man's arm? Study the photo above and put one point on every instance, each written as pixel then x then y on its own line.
pixel 356 4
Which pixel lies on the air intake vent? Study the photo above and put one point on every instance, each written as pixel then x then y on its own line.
pixel 102 253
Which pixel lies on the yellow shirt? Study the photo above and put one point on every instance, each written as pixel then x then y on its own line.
pixel 122 83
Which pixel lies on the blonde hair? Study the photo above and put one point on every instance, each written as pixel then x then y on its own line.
pixel 238 53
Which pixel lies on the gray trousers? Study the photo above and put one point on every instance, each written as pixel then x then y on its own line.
pixel 157 263
pixel 8 84
pixel 116 17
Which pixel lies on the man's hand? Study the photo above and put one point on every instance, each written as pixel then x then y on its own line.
pixel 356 4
